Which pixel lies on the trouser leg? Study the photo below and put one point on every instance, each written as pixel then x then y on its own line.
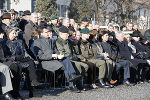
pixel 126 67
pixel 109 66
pixel 102 67
pixel 5 78
pixel 32 71
pixel 16 71
pixel 68 68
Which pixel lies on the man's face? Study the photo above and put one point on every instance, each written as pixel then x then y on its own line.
pixel 130 26
pixel 85 36
pixel 78 35
pixel 85 23
pixel 135 27
pixel 34 18
pixel 72 21
pixel 45 33
pixel 64 36
pixel 50 34
pixel 6 21
pixel 96 27
pixel 90 27
pixel 111 28
pixel 121 37
pixel 54 21
pixel 66 23
pixel 28 17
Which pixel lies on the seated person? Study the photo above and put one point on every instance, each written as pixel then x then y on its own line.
pixel 51 60
pixel 16 51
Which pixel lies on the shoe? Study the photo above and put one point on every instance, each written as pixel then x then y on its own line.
pixel 102 84
pixel 108 84
pixel 113 82
pixel 94 86
pixel 148 81
pixel 7 96
pixel 127 83
pixel 35 83
pixel 74 78
pixel 75 89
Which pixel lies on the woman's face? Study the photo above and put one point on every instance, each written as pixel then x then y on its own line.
pixel 127 38
pixel 12 35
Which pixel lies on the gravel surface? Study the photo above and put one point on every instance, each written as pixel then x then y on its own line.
pixel 121 92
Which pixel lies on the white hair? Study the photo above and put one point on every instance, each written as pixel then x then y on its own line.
pixel 33 14
pixel 65 20
pixel 117 34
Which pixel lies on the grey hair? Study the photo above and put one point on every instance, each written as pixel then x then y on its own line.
pixel 118 33
pixel 33 14
pixel 65 20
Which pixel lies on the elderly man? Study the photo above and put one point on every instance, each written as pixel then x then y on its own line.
pixel 51 59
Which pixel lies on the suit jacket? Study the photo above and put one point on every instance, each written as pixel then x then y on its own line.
pixel 44 48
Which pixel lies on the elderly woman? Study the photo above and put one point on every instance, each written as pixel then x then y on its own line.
pixel 16 51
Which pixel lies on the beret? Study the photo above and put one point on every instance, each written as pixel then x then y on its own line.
pixel 26 12
pixel 85 19
pixel 84 31
pixel 63 29
pixel 54 17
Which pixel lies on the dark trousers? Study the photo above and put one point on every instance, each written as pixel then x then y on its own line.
pixel 32 70
pixel 126 66
pixel 68 69
pixel 16 71
pixel 142 71
pixel 91 73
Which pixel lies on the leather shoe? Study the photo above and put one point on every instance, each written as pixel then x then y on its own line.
pixel 8 97
pixel 127 83
pixel 74 78
pixel 108 84
pixel 102 84
pixel 75 89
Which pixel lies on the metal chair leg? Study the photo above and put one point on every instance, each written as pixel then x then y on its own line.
pixel 54 80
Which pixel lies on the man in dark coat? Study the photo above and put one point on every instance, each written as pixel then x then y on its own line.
pixel 126 53
pixel 50 58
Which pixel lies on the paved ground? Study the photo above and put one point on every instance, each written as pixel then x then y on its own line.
pixel 138 92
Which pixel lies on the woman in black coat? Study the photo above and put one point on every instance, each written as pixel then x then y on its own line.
pixel 17 52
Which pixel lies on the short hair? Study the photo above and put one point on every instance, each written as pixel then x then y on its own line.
pixel 116 27
pixel 64 20
pixel 129 23
pixel 110 25
pixel 118 33
pixel 33 14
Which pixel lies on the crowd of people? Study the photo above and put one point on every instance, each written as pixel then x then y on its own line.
pixel 88 56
